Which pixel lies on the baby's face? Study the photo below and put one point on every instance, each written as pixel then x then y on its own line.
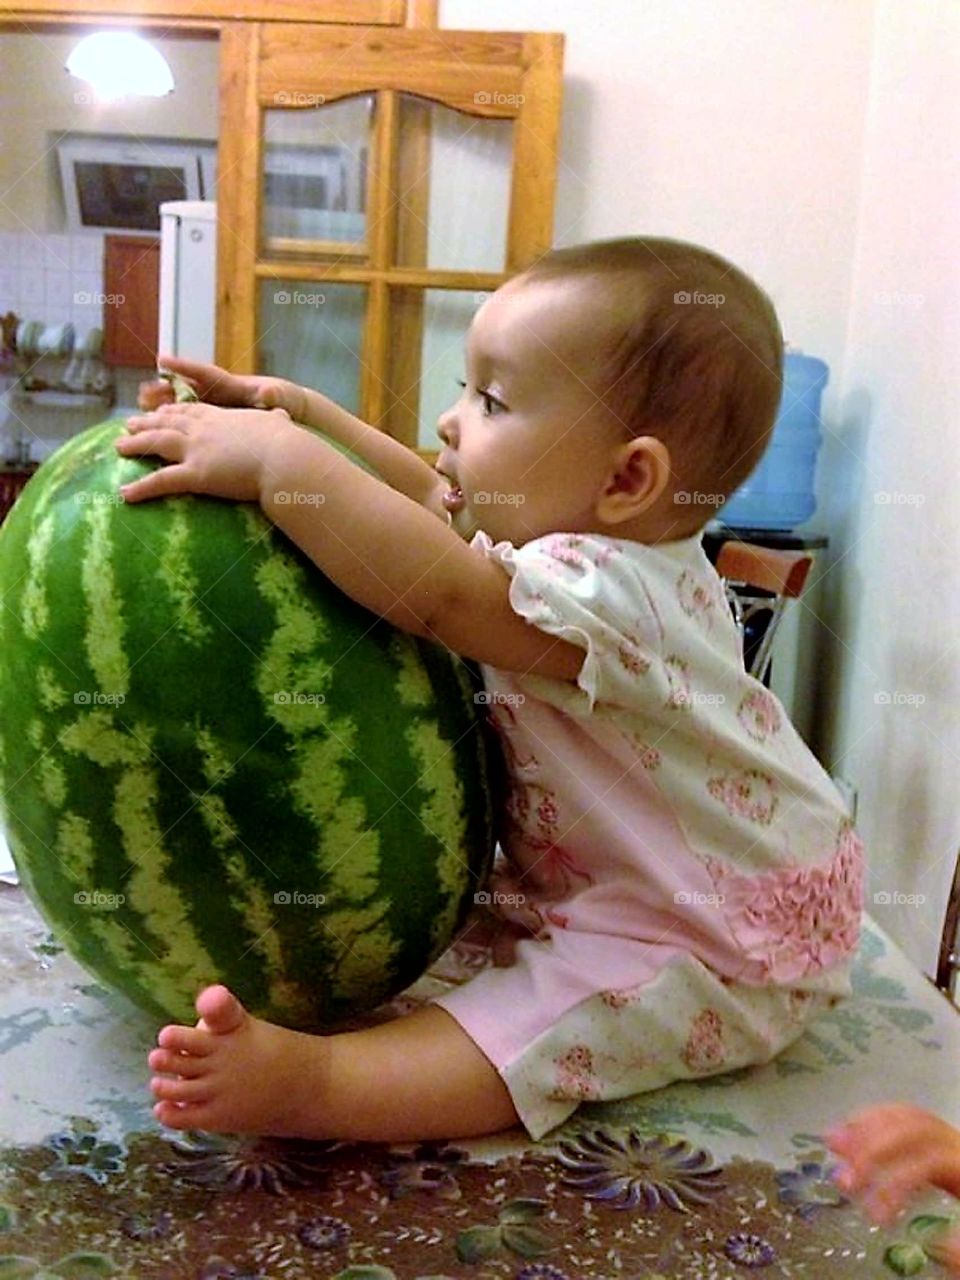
pixel 529 443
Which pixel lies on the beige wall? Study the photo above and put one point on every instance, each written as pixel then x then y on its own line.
pixel 39 99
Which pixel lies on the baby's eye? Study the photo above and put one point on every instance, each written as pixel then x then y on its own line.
pixel 492 407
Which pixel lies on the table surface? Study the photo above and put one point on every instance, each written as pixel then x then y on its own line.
pixel 716 1178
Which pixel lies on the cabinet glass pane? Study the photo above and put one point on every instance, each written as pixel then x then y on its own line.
pixel 423 373
pixel 453 188
pixel 312 333
pixel 314 180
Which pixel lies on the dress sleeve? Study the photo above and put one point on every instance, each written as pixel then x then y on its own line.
pixel 583 589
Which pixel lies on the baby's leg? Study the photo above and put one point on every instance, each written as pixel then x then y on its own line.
pixel 419 1076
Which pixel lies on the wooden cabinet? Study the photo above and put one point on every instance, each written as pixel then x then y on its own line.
pixel 131 285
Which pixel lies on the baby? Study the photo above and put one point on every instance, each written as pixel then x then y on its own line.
pixel 681 887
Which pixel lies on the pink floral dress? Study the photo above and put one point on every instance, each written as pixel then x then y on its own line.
pixel 681 887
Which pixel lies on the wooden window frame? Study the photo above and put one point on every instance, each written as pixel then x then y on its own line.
pixel 500 75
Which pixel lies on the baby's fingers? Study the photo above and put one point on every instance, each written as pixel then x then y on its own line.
pixel 895 1186
pixel 947 1252
pixel 151 395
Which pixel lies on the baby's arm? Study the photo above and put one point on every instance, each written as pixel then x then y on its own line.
pixel 891 1152
pixel 394 556
pixel 399 466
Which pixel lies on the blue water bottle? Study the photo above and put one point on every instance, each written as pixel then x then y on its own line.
pixel 780 492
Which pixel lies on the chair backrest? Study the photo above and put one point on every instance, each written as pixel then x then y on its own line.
pixel 948 963
pixel 759 579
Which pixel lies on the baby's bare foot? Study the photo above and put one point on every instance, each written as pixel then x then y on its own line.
pixel 233 1073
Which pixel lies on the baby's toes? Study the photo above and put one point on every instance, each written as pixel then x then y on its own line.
pixel 176 1064
pixel 168 1090
pixel 173 1116
pixel 192 1040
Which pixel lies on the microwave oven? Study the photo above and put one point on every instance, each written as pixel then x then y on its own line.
pixel 117 183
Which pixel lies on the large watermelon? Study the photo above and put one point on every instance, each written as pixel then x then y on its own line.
pixel 214 766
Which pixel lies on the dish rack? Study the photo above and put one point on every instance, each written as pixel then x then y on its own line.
pixel 50 369
pixel 41 365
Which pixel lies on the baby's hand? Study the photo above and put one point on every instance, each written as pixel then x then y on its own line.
pixel 218 386
pixel 891 1152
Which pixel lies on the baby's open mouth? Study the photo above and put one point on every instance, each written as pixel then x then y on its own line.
pixel 453 499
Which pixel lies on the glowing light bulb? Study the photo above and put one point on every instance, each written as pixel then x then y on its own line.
pixel 120 63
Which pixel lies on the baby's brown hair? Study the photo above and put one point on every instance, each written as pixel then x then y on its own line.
pixel 694 354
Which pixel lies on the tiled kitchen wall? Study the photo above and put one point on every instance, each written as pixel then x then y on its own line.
pixel 53 278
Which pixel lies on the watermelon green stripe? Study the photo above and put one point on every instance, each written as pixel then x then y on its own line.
pixel 256 906
pixel 178 577
pixel 36 612
pixel 441 811
pixel 105 632
pixel 347 854
pixel 145 753
pixel 134 811
pixel 50 691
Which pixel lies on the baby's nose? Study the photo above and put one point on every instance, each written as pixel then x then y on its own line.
pixel 447 428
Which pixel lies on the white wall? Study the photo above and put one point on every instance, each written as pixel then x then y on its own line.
pixel 897 597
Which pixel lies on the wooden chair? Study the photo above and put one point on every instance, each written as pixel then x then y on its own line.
pixel 948 964
pixel 757 580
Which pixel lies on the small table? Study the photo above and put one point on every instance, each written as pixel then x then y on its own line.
pixel 713 1180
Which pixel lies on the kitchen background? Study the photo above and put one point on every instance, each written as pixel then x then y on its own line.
pixel 53 274
pixel 814 144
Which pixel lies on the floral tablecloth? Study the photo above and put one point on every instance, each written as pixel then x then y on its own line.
pixel 718 1178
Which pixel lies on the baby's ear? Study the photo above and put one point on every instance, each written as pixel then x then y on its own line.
pixel 640 473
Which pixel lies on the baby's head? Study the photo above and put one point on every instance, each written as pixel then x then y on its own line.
pixel 623 387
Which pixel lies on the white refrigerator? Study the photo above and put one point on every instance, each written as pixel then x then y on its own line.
pixel 308 332
pixel 188 278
